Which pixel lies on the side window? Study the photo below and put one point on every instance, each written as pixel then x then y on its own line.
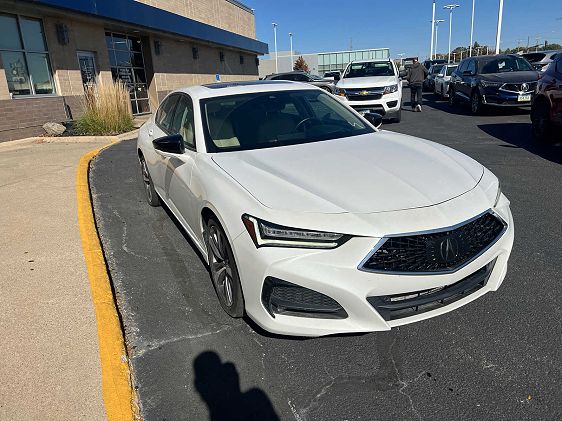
pixel 166 112
pixel 472 66
pixel 300 78
pixel 559 65
pixel 183 121
pixel 462 67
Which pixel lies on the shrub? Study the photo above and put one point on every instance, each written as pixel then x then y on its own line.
pixel 107 110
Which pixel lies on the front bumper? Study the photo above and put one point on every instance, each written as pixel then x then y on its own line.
pixel 503 98
pixel 387 105
pixel 334 273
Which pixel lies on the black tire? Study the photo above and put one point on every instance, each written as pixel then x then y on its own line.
pixel 542 127
pixel 398 117
pixel 476 106
pixel 151 195
pixel 222 266
pixel 452 98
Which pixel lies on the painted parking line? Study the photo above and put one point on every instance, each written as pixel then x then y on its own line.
pixel 117 392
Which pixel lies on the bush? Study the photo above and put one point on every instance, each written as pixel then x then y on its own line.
pixel 107 110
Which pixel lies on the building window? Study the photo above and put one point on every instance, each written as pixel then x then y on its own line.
pixel 241 59
pixel 127 65
pixel 221 56
pixel 25 56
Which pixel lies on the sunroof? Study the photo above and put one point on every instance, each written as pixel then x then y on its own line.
pixel 221 85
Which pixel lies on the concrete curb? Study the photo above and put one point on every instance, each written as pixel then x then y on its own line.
pixel 118 394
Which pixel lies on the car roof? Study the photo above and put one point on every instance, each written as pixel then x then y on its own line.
pixel 371 60
pixel 241 87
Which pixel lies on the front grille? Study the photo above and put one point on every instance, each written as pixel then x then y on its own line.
pixel 517 87
pixel 437 252
pixel 398 306
pixel 364 94
pixel 282 297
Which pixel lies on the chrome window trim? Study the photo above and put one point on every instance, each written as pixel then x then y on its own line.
pixel 383 240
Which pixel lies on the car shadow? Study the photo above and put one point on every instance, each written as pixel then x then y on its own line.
pixel 519 135
pixel 218 384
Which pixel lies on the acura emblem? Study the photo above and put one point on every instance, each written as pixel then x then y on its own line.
pixel 524 87
pixel 449 249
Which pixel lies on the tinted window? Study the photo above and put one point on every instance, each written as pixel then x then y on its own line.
pixel 450 70
pixel 183 121
pixel 559 65
pixel 462 67
pixel 166 112
pixel 270 119
pixel 471 66
pixel 534 57
pixel 300 78
pixel 504 65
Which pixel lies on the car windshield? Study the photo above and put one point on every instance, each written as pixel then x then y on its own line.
pixel 450 70
pixel 271 119
pixel 505 64
pixel 372 68
pixel 314 77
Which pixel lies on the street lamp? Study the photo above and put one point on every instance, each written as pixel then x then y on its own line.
pixel 291 42
pixel 471 30
pixel 499 31
pixel 450 7
pixel 275 46
pixel 437 22
pixel 432 29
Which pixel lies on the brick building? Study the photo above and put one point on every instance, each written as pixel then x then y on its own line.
pixel 51 49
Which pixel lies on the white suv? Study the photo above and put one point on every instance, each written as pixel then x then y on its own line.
pixel 372 86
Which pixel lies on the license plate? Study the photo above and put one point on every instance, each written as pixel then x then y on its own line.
pixel 524 98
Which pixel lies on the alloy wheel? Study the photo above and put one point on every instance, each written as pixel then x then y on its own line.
pixel 475 103
pixel 220 265
pixel 146 180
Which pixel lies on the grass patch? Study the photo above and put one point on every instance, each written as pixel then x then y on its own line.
pixel 107 110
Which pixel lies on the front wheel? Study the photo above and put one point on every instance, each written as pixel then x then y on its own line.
pixel 224 272
pixel 540 119
pixel 476 106
pixel 151 195
pixel 398 117
pixel 452 98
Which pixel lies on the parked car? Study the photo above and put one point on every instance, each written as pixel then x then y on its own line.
pixel 372 86
pixel 506 80
pixel 429 82
pixel 541 59
pixel 546 112
pixel 333 75
pixel 442 80
pixel 409 62
pixel 312 221
pixel 300 76
pixel 428 63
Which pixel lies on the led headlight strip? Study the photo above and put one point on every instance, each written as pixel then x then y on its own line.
pixel 267 234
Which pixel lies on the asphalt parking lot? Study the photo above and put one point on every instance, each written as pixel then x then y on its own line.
pixel 496 358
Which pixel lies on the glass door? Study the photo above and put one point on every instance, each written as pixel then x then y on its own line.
pixel 87 63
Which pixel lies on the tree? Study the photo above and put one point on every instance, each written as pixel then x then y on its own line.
pixel 300 64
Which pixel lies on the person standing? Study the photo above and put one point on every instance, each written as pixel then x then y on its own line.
pixel 416 75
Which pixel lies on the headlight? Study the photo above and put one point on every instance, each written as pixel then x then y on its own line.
pixel 340 92
pixel 390 89
pixel 267 234
pixel 488 84
pixel 498 194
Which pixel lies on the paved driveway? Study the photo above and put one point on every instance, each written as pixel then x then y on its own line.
pixel 496 358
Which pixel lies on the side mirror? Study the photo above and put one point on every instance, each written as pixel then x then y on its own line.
pixel 467 73
pixel 170 144
pixel 374 118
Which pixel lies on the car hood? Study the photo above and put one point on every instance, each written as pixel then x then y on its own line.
pixel 511 77
pixel 377 172
pixel 366 82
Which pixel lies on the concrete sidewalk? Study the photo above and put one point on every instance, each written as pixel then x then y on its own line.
pixel 49 360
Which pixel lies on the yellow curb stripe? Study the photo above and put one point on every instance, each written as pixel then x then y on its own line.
pixel 116 385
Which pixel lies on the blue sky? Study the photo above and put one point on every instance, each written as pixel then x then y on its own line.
pixel 401 25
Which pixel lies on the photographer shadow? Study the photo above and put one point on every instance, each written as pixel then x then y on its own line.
pixel 219 385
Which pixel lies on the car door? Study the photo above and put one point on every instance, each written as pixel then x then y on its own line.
pixel 467 78
pixel 160 127
pixel 557 91
pixel 179 167
pixel 456 77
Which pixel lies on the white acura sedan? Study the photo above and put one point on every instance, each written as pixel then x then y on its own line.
pixel 313 221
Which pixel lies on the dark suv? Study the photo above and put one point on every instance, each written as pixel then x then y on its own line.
pixel 299 76
pixel 501 80
pixel 546 112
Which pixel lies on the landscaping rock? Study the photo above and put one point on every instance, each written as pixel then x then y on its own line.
pixel 54 129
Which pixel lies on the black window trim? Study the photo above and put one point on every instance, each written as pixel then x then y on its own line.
pixel 25 52
pixel 168 132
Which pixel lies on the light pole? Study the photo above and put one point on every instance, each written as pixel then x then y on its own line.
pixel 437 22
pixel 291 42
pixel 450 7
pixel 471 30
pixel 431 51
pixel 499 30
pixel 275 46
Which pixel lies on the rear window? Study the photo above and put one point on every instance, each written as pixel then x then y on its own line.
pixel 534 57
